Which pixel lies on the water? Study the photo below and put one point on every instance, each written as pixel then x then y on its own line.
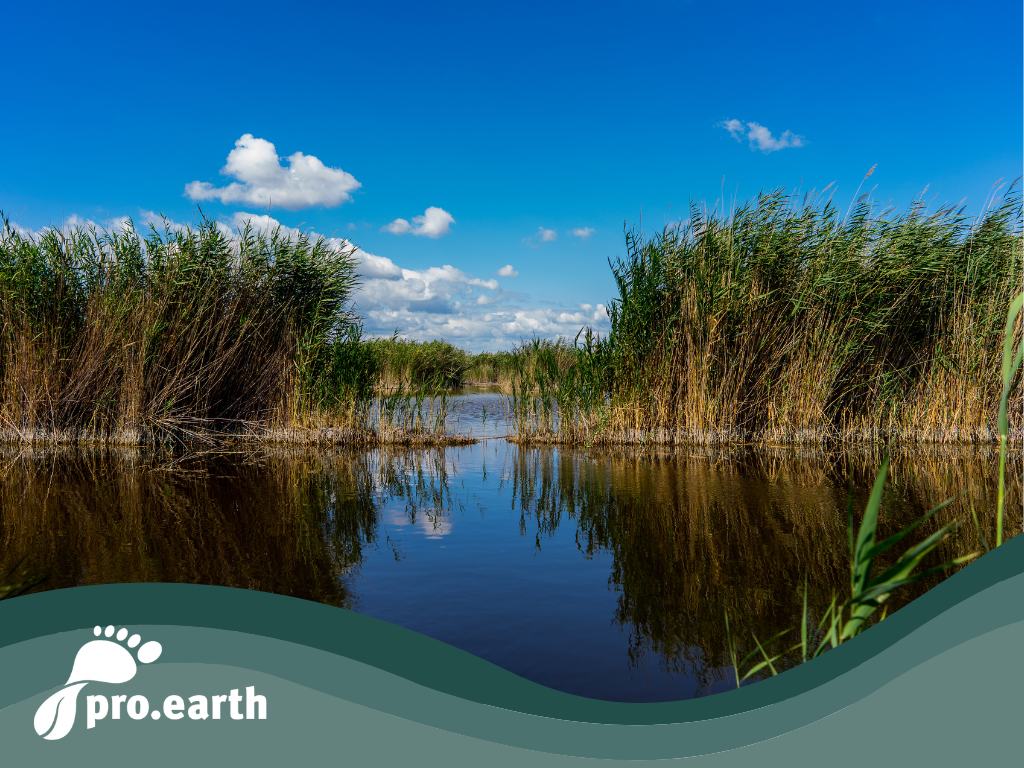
pixel 599 572
pixel 481 412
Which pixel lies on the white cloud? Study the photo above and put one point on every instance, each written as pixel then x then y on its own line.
pixel 399 227
pixel 759 137
pixel 74 221
pixel 734 127
pixel 541 236
pixel 582 232
pixel 488 325
pixel 261 222
pixel 446 303
pixel 370 265
pixel 23 232
pixel 262 180
pixel 435 222
pixel 377 267
pixel 160 222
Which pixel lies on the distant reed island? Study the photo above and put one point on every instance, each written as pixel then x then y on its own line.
pixel 784 322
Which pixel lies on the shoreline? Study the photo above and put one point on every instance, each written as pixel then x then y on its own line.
pixel 713 439
pixel 323 437
pixel 329 437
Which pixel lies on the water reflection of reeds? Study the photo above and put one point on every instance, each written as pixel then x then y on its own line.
pixel 694 535
pixel 271 522
pixel 691 534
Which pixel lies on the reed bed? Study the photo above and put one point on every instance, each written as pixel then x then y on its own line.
pixel 190 335
pixel 877 571
pixel 793 322
pixel 438 366
pixel 495 369
pixel 430 366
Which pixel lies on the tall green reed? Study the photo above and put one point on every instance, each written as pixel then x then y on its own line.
pixel 875 575
pixel 178 333
pixel 789 321
pixel 1012 359
pixel 407 364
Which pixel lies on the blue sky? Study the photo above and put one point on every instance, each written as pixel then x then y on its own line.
pixel 514 124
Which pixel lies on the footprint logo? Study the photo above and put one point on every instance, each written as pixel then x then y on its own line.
pixel 109 659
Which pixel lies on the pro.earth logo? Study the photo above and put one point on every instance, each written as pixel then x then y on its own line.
pixel 114 658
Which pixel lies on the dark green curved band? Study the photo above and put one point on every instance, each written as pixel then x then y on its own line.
pixel 440 667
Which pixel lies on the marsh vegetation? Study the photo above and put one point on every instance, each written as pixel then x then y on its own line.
pixel 696 475
pixel 792 322
pixel 785 322
pixel 190 336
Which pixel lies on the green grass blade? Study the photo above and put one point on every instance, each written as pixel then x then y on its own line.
pixel 868 527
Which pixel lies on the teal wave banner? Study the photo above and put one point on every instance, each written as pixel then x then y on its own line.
pixel 167 674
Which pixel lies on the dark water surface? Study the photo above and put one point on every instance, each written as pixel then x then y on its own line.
pixel 605 573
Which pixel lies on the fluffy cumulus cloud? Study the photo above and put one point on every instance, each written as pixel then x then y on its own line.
pixel 21 231
pixel 491 325
pixel 582 232
pixel 73 222
pixel 541 236
pixel 303 181
pixel 761 138
pixel 435 222
pixel 444 302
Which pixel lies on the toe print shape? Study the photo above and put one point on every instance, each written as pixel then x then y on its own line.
pixel 111 660
pixel 149 652
pixel 98 661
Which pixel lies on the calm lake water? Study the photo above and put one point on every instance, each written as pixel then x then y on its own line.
pixel 599 572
